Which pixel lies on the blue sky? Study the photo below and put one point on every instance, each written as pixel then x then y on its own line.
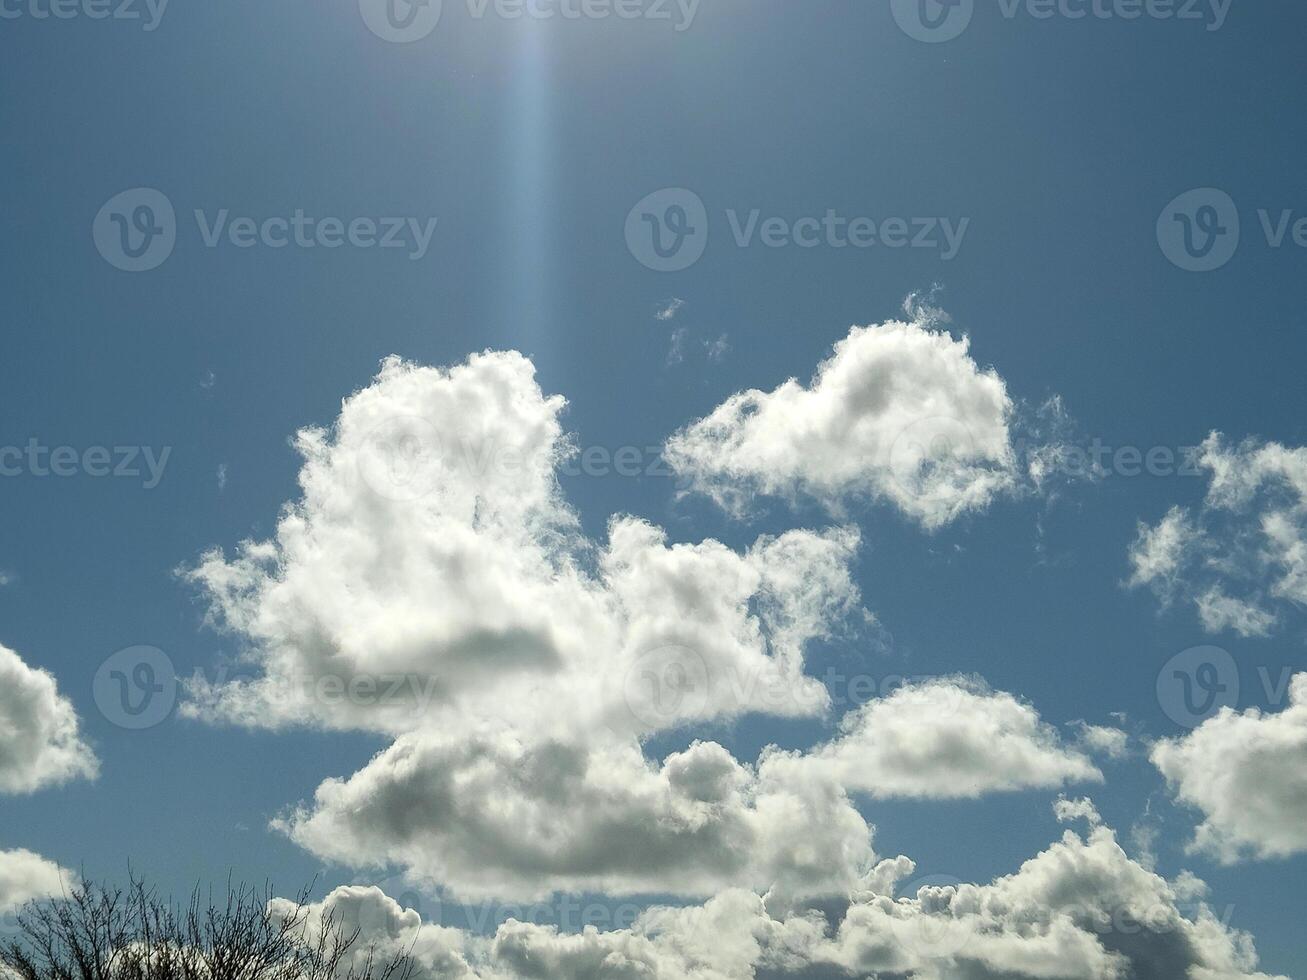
pixel 1059 141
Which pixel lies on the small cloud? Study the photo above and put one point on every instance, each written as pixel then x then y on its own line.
pixel 676 354
pixel 1144 836
pixel 222 477
pixel 717 349
pixel 1068 811
pixel 7 578
pixel 1102 739
pixel 922 305
pixel 668 310
pixel 208 381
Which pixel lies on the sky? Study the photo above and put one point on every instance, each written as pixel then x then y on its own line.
pixel 606 381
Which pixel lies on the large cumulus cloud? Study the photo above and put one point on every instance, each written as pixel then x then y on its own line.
pixel 432 556
pixel 1080 910
pixel 1247 774
pixel 900 412
pixel 431 545
pixel 494 817
pixel 949 739
pixel 25 876
pixel 42 744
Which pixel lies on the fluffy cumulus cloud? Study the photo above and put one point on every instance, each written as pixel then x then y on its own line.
pixel 1081 910
pixel 500 816
pixel 385 930
pixel 900 412
pixel 25 876
pixel 494 817
pixel 432 584
pixel 40 741
pixel 432 572
pixel 948 739
pixel 1239 558
pixel 1247 774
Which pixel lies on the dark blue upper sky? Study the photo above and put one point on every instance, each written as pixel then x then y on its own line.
pixel 1061 140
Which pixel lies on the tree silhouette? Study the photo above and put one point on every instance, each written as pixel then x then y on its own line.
pixel 97 932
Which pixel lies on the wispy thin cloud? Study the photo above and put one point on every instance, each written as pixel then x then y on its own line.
pixel 669 309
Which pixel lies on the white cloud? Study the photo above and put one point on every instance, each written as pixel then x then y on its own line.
pixel 1219 612
pixel 41 744
pixel 497 817
pixel 900 413
pixel 1158 553
pixel 676 351
pixel 1247 774
pixel 385 930
pixel 669 309
pixel 25 876
pixel 432 575
pixel 431 544
pixel 1081 910
pixel 1102 739
pixel 717 349
pixel 501 816
pixel 948 739
pixel 1244 550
